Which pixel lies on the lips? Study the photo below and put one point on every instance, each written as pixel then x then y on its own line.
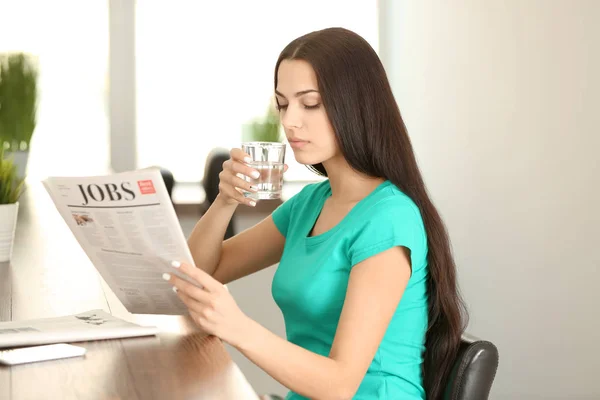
pixel 297 143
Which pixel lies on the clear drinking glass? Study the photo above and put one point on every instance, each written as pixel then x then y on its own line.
pixel 268 159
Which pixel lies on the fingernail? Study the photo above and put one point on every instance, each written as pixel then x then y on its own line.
pixel 174 289
pixel 247 159
pixel 252 203
pixel 175 264
pixel 255 174
pixel 166 276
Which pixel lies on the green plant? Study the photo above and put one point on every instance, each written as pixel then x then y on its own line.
pixel 18 100
pixel 11 186
pixel 265 130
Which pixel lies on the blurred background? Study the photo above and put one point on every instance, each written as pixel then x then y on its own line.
pixel 500 98
pixel 186 76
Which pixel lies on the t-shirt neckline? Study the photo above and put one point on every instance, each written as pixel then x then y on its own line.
pixel 324 196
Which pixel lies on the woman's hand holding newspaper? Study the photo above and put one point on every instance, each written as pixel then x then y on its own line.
pixel 213 308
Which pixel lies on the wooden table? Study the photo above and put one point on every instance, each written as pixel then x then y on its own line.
pixel 50 276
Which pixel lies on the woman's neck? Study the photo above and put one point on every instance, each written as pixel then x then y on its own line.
pixel 347 185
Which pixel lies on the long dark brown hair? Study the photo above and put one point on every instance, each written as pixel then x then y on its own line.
pixel 373 139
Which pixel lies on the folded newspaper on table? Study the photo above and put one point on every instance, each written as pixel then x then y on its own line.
pixel 127 226
pixel 90 325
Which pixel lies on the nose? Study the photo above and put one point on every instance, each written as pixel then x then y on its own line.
pixel 291 118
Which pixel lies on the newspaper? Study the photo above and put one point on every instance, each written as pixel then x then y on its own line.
pixel 90 325
pixel 127 226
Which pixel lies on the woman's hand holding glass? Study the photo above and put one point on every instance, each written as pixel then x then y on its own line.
pixel 233 185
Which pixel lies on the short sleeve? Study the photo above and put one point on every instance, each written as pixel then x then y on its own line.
pixel 282 214
pixel 390 224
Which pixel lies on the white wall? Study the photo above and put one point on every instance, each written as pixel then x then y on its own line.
pixel 501 99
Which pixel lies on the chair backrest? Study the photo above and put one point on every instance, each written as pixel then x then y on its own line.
pixel 473 372
pixel 213 166
pixel 169 180
pixel 210 183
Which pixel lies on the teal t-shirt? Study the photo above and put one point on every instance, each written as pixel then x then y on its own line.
pixel 311 281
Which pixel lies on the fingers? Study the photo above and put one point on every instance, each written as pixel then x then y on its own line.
pixel 205 280
pixel 238 167
pixel 236 179
pixel 240 156
pixel 235 193
pixel 194 306
pixel 234 173
pixel 181 286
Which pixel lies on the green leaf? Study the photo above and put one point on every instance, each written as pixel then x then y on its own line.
pixel 11 186
pixel 265 130
pixel 18 100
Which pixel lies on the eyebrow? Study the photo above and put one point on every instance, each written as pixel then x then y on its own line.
pixel 298 94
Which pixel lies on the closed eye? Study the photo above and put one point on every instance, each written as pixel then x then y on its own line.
pixel 307 107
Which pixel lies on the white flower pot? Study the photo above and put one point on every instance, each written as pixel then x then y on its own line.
pixel 8 225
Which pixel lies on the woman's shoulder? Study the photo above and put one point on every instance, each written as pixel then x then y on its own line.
pixel 388 217
pixel 393 211
pixel 390 200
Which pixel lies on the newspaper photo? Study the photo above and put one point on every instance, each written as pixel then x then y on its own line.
pixel 90 325
pixel 127 226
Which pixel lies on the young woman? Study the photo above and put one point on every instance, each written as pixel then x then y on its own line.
pixel 366 280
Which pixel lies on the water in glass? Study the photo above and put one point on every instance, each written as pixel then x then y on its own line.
pixel 270 181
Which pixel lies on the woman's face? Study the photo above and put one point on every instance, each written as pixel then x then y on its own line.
pixel 302 114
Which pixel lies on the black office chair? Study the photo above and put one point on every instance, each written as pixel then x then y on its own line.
pixel 474 370
pixel 472 375
pixel 169 181
pixel 212 169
